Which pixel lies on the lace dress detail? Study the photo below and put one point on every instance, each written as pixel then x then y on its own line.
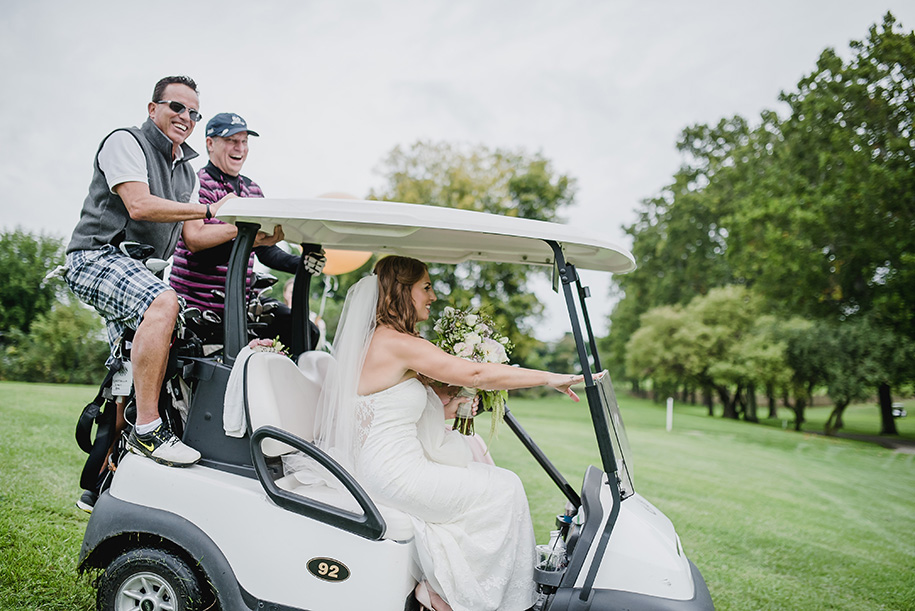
pixel 365 413
pixel 472 524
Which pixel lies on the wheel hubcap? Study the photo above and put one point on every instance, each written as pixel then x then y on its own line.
pixel 145 592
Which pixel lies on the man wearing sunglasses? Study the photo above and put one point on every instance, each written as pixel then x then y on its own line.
pixel 142 189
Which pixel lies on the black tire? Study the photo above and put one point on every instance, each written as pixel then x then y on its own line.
pixel 149 579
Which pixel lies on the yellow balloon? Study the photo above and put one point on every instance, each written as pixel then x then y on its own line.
pixel 344 261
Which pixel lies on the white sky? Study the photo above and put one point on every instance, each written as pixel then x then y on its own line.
pixel 602 88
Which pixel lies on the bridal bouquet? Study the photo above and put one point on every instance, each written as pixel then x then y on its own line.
pixel 471 334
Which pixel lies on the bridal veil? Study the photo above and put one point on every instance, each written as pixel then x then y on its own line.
pixel 336 422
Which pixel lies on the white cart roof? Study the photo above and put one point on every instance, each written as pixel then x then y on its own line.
pixel 427 233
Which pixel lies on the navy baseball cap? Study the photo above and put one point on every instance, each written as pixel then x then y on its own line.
pixel 226 124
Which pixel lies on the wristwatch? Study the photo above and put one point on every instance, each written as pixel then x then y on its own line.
pixel 209 214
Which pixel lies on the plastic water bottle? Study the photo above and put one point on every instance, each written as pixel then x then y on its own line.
pixel 558 549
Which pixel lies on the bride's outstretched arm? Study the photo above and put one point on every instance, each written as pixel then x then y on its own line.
pixel 428 359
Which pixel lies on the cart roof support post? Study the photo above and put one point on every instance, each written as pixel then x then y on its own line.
pixel 236 327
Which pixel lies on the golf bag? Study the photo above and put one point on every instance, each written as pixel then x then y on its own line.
pixel 100 412
pixel 109 444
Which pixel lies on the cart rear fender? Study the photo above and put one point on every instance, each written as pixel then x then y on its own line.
pixel 116 526
pixel 267 546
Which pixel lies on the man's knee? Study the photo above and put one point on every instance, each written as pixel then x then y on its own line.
pixel 164 307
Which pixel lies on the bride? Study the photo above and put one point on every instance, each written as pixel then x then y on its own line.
pixel 471 520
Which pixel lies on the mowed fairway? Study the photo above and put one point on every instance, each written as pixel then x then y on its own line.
pixel 774 519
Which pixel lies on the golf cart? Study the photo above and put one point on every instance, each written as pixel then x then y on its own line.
pixel 234 532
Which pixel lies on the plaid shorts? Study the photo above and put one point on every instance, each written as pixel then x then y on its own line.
pixel 120 289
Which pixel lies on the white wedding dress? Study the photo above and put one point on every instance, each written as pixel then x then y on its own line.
pixel 471 520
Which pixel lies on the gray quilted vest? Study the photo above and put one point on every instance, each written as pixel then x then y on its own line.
pixel 104 216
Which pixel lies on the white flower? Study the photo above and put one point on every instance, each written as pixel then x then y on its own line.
pixel 493 351
pixel 503 340
pixel 473 339
pixel 463 350
pixel 448 311
pixel 481 329
pixel 471 319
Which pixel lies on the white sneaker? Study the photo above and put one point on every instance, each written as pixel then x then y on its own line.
pixel 87 500
pixel 163 446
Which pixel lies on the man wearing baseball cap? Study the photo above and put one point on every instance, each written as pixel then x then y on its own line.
pixel 202 254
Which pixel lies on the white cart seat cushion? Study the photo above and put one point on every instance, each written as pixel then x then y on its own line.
pixel 285 396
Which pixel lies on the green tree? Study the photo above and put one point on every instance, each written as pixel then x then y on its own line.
pixel 658 351
pixel 769 351
pixel 624 322
pixel 832 236
pixel 510 183
pixel 66 345
pixel 854 367
pixel 807 355
pixel 25 260
pixel 763 356
pixel 717 341
pixel 719 329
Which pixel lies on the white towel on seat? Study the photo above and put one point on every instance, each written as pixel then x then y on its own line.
pixel 233 411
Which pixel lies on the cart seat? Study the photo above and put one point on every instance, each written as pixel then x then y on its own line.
pixel 284 395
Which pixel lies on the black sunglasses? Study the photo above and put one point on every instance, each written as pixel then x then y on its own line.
pixel 178 108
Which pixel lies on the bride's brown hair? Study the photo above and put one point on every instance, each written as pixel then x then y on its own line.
pixel 396 277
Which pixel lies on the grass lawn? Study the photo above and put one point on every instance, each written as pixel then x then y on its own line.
pixel 41 529
pixel 774 519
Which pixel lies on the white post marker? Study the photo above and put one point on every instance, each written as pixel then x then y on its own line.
pixel 670 413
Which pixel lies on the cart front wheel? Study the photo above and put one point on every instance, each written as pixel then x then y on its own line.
pixel 149 580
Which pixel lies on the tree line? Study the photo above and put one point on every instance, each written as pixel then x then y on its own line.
pixel 781 257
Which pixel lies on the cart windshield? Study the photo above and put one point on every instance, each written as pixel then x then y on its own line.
pixel 617 433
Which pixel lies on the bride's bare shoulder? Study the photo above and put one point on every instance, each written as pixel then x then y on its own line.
pixel 387 335
pixel 392 337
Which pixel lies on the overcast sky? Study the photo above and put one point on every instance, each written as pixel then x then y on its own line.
pixel 601 88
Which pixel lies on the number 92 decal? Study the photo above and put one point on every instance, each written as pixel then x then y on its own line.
pixel 328 569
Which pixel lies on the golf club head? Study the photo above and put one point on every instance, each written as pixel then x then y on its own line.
pixel 156 265
pixel 212 317
pixel 136 250
pixel 192 314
